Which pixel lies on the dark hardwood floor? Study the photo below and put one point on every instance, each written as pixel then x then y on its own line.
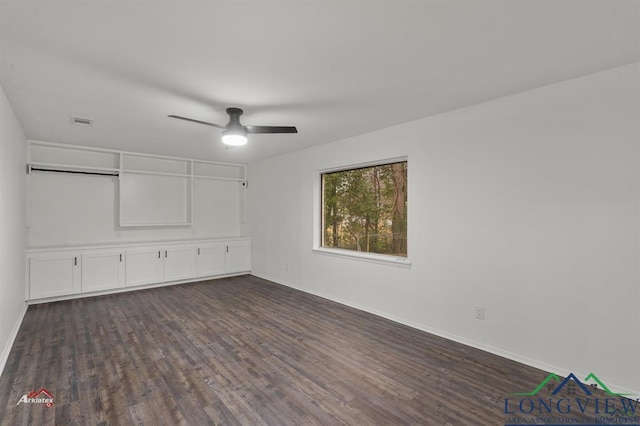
pixel 243 350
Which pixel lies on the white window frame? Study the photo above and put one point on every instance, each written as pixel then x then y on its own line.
pixel 317 248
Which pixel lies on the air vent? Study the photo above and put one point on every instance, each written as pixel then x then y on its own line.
pixel 79 121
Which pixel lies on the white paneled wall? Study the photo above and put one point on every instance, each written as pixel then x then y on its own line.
pixel 86 209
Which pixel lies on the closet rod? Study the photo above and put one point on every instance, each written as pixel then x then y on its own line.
pixel 37 169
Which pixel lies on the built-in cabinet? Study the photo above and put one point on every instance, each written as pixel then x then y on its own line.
pixel 179 263
pixel 143 266
pixel 211 258
pixel 130 195
pixel 65 272
pixel 238 256
pixel 102 270
pixel 54 274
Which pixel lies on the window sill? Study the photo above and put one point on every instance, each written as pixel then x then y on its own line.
pixel 382 259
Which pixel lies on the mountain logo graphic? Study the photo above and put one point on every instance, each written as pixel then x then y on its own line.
pixel 586 386
pixel 42 396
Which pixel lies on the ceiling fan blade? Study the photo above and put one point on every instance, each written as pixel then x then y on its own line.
pixel 271 129
pixel 197 121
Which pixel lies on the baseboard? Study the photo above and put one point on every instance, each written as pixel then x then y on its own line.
pixel 548 368
pixel 12 337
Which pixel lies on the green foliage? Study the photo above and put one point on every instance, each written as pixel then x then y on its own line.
pixel 365 209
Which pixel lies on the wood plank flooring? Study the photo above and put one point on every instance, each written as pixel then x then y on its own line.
pixel 245 351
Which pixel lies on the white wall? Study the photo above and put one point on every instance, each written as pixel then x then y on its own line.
pixel 12 226
pixel 527 205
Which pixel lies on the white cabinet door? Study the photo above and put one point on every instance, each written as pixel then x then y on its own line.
pixel 54 274
pixel 238 256
pixel 143 266
pixel 102 270
pixel 179 263
pixel 210 259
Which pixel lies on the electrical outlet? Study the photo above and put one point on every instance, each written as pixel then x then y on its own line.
pixel 480 312
pixel 286 266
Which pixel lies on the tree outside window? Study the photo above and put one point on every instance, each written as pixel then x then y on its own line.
pixel 365 209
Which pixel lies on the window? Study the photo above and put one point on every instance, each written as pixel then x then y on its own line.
pixel 364 209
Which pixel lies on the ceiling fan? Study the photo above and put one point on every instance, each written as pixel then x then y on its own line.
pixel 235 134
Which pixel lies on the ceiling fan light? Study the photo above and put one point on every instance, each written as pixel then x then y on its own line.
pixel 234 138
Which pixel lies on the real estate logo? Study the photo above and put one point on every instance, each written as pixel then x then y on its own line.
pixel 42 396
pixel 571 401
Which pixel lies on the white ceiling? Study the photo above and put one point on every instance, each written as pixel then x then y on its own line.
pixel 333 68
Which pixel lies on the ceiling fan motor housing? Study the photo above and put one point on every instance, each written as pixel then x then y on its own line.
pixel 234 125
